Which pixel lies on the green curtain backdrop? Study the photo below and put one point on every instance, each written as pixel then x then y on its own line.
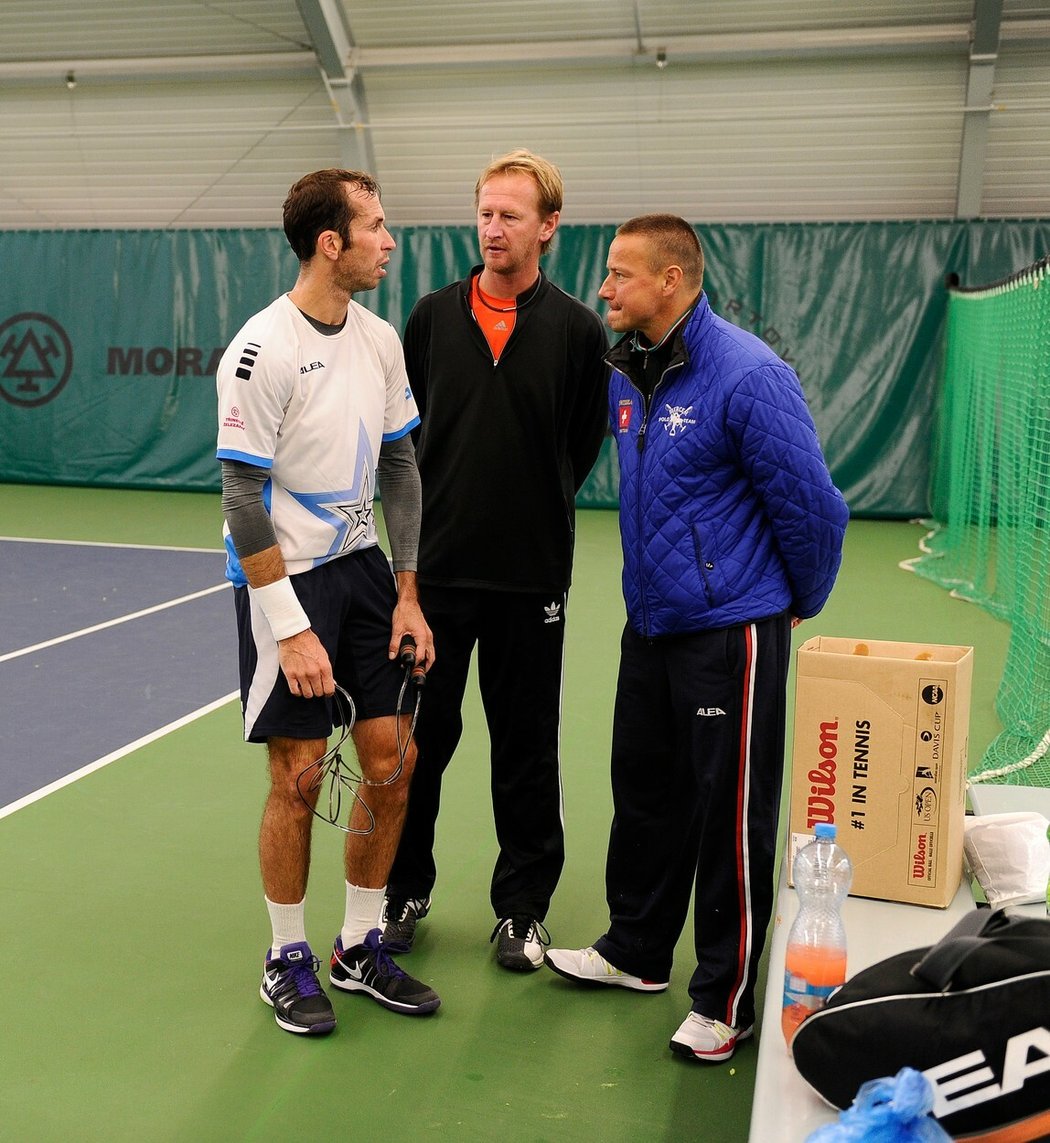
pixel 109 339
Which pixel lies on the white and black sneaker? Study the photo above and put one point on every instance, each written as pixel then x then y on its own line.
pixel 290 987
pixel 520 943
pixel 369 968
pixel 400 917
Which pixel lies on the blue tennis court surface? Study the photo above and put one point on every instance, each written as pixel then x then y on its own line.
pixel 101 645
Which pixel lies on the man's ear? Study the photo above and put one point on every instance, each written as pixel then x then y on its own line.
pixel 329 244
pixel 672 279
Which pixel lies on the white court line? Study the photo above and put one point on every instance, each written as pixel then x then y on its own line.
pixel 107 544
pixel 91 767
pixel 114 622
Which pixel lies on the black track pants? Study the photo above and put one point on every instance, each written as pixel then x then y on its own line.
pixel 520 639
pixel 697 763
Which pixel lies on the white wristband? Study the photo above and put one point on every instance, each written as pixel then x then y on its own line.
pixel 281 607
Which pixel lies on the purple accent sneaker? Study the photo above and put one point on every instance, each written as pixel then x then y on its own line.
pixel 290 987
pixel 370 968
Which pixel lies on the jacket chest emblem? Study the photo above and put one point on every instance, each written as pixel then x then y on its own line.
pixel 677 419
pixel 623 414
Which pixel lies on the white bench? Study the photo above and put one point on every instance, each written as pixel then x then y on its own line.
pixel 988 799
pixel 785 1108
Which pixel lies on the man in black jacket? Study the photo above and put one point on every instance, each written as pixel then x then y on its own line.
pixel 508 375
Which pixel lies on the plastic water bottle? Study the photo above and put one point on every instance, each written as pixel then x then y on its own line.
pixel 815 964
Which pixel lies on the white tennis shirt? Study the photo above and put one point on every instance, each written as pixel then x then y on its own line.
pixel 314 409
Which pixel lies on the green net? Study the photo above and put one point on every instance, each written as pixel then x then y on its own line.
pixel 990 538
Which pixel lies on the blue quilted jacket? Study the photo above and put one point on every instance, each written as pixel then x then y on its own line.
pixel 727 510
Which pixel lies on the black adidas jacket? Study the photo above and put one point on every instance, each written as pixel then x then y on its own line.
pixel 503 449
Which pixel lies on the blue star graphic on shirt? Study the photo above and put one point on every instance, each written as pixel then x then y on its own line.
pixel 348 511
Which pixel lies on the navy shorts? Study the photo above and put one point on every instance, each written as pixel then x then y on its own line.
pixel 350 603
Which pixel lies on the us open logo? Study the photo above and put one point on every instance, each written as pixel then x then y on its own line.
pixel 36 359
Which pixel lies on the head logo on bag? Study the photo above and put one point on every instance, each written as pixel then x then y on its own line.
pixel 968 1080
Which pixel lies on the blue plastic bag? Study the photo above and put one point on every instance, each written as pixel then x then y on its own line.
pixel 893 1110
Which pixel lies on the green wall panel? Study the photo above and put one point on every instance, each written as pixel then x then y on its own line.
pixel 108 339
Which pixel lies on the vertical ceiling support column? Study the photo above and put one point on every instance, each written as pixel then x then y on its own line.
pixel 333 44
pixel 984 51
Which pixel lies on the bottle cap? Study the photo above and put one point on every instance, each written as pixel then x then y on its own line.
pixel 824 831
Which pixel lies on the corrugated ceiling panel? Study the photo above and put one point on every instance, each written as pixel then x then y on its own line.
pixel 176 154
pixel 838 137
pixel 1017 167
pixel 1025 9
pixel 868 139
pixel 380 23
pixel 63 29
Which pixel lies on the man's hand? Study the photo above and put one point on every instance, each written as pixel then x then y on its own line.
pixel 305 664
pixel 408 620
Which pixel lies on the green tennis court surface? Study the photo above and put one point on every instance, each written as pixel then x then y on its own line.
pixel 134 927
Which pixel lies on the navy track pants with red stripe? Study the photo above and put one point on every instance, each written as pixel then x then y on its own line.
pixel 697 768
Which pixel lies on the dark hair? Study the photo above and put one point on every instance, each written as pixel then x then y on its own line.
pixel 319 202
pixel 672 241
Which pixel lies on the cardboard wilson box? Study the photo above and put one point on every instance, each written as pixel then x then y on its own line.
pixel 880 749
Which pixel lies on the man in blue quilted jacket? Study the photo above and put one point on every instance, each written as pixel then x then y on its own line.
pixel 732 532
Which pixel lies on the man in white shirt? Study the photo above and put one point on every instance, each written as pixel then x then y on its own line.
pixel 313 400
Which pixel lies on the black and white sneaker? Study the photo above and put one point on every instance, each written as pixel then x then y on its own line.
pixel 370 968
pixel 400 917
pixel 290 987
pixel 521 941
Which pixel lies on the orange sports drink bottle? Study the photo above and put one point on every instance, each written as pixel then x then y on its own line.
pixel 811 975
pixel 815 960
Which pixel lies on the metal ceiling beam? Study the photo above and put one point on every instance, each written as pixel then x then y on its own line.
pixel 330 34
pixel 984 52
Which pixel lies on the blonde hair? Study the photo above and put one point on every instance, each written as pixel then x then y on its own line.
pixel 543 173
